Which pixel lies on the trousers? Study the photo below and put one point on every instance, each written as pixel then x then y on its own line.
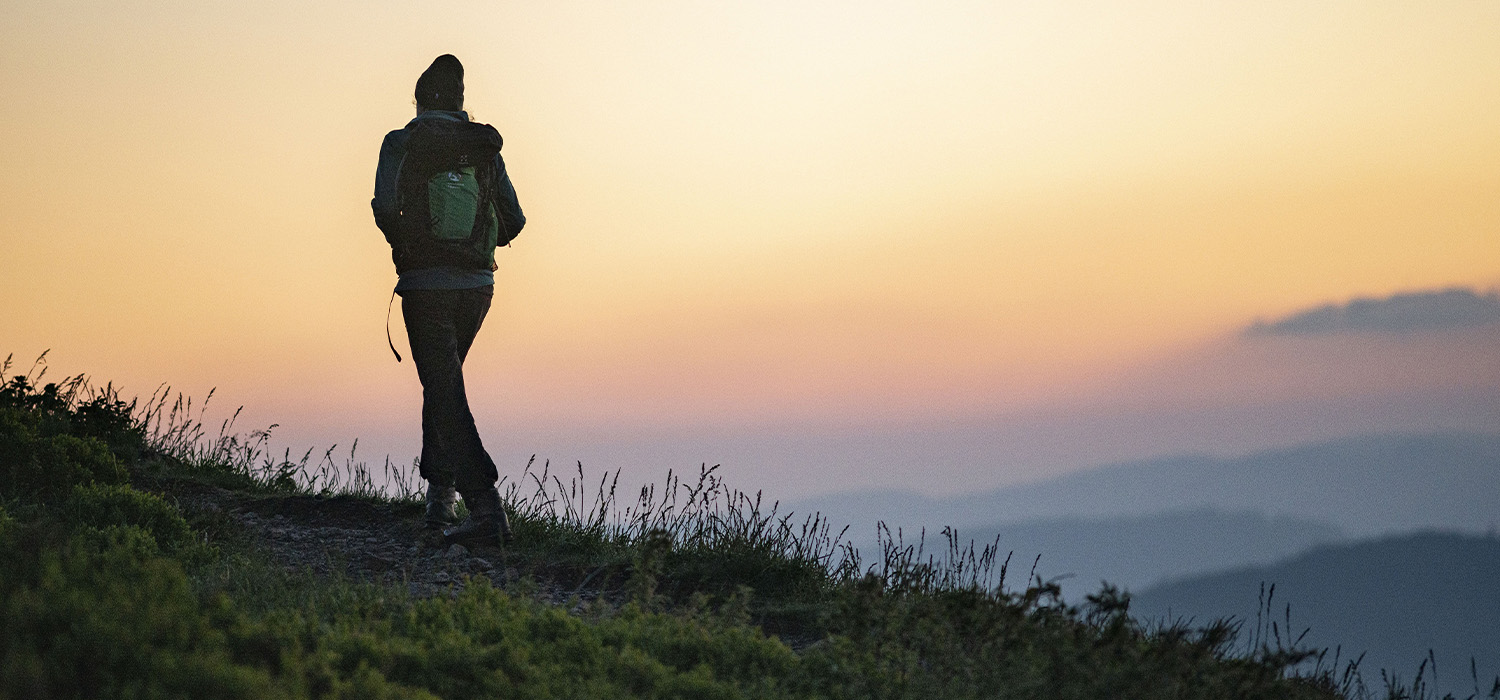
pixel 441 325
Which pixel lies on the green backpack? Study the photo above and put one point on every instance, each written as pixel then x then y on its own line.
pixel 446 189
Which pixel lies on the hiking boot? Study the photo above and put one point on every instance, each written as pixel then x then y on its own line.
pixel 442 506
pixel 486 523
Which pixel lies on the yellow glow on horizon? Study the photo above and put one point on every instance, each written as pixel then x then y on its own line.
pixel 826 209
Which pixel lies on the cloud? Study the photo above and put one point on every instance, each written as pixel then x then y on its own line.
pixel 1399 314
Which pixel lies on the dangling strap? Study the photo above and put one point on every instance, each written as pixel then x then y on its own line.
pixel 388 341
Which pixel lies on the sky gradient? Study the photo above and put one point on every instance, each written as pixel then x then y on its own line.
pixel 754 225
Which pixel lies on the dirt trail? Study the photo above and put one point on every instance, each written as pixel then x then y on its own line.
pixel 387 543
pixel 362 540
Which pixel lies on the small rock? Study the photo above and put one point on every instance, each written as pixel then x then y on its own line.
pixel 482 563
pixel 372 540
pixel 442 576
pixel 457 551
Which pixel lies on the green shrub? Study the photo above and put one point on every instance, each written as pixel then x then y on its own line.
pixel 31 417
pixel 37 467
pixel 17 451
pixel 486 643
pixel 110 421
pixel 101 615
pixel 138 542
pixel 103 506
pixel 111 622
pixel 74 460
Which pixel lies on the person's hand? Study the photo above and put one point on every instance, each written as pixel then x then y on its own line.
pixel 494 266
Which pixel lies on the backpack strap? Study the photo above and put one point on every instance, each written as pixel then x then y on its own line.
pixel 388 341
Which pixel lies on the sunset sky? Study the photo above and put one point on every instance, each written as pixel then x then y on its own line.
pixel 775 235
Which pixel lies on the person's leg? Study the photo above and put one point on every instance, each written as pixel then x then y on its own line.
pixel 434 351
pixel 471 308
pixel 476 470
pixel 442 325
pixel 476 476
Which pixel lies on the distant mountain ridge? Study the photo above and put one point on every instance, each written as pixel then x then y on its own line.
pixel 1364 485
pixel 1139 550
pixel 1395 598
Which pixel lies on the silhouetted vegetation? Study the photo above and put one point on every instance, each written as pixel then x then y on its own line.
pixel 112 589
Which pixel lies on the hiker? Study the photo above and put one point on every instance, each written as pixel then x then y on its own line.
pixel 444 202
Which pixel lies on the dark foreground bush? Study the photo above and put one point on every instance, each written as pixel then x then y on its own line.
pixel 105 507
pixel 37 465
pixel 105 618
pixel 115 621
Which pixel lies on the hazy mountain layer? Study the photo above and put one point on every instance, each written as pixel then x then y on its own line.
pixel 1364 485
pixel 1137 551
pixel 1394 598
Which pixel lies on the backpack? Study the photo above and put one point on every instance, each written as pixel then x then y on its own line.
pixel 446 189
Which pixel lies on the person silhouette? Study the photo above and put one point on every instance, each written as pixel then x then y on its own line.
pixel 444 204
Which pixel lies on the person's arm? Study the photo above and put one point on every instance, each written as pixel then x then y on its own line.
pixel 386 208
pixel 506 203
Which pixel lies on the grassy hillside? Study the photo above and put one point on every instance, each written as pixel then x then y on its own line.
pixel 144 559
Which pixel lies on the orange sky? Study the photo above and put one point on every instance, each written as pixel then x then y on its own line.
pixel 825 213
